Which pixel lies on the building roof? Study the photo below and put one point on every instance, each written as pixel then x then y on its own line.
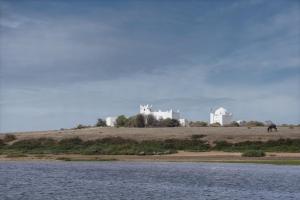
pixel 221 111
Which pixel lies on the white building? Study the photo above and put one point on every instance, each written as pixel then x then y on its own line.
pixel 147 110
pixel 221 116
pixel 110 121
pixel 183 122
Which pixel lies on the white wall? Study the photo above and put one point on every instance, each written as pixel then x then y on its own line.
pixel 111 121
pixel 219 117
pixel 147 110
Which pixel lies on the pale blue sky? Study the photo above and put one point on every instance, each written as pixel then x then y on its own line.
pixel 65 63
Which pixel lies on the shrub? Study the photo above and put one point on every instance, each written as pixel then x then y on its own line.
pixel 254 123
pixel 100 123
pixel 196 137
pixel 234 124
pixel 80 126
pixel 1 143
pixel 217 124
pixel 169 123
pixel 198 124
pixel 131 122
pixel 69 142
pixel 30 144
pixel 254 153
pixel 9 138
pixel 151 121
pixel 121 121
pixel 140 121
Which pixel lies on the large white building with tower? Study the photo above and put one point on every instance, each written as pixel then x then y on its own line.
pixel 221 116
pixel 171 114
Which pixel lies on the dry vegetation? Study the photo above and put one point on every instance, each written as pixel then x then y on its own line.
pixel 210 134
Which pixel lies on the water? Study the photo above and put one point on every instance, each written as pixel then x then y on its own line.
pixel 124 180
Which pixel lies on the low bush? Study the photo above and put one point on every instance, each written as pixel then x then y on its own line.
pixel 217 124
pixel 80 126
pixel 169 123
pixel 232 124
pixel 121 146
pixel 101 123
pixel 254 123
pixel 254 153
pixel 196 137
pixel 1 143
pixel 198 124
pixel 9 138
pixel 281 145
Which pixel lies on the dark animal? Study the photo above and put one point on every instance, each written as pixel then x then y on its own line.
pixel 271 127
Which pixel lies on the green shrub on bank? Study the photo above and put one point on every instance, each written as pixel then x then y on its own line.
pixel 108 146
pixel 1 143
pixel 254 153
pixel 281 145
pixel 121 146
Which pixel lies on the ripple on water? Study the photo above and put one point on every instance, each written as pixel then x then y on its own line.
pixel 124 180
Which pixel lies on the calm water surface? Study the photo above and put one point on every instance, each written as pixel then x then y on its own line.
pixel 123 180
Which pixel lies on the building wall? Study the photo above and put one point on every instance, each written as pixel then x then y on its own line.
pixel 220 117
pixel 110 121
pixel 147 110
pixel 183 122
pixel 226 119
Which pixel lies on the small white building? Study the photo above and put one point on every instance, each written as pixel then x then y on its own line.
pixel 111 121
pixel 184 122
pixel 171 114
pixel 241 122
pixel 220 116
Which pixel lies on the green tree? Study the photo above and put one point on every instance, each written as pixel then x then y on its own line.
pixel 169 123
pixel 100 122
pixel 198 124
pixel 140 121
pixel 121 121
pixel 254 123
pixel 131 122
pixel 216 124
pixel 151 121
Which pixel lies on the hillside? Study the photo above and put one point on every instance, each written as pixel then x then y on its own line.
pixel 210 134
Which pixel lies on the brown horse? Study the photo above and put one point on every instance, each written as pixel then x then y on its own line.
pixel 271 127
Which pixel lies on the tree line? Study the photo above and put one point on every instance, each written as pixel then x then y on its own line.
pixel 141 121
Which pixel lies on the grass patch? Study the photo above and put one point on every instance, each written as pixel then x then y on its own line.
pixel 281 145
pixel 105 146
pixel 196 136
pixel 121 146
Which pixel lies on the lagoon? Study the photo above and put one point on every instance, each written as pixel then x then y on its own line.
pixel 146 180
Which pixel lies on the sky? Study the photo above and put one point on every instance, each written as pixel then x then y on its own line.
pixel 63 64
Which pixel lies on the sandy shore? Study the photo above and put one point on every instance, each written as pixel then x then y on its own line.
pixel 181 156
